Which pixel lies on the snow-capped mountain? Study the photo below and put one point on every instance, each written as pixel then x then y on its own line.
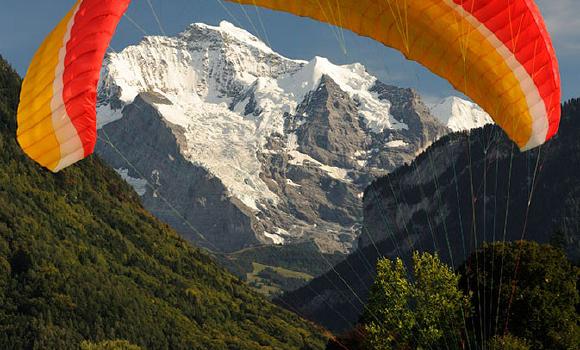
pixel 459 115
pixel 236 145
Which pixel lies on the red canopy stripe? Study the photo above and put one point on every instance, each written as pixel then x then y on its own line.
pixel 94 25
pixel 519 25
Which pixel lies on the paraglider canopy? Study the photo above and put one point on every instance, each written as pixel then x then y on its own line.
pixel 499 54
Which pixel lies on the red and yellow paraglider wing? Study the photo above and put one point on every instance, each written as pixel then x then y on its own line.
pixel 57 114
pixel 497 52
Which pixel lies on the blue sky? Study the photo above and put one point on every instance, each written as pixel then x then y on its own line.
pixel 24 23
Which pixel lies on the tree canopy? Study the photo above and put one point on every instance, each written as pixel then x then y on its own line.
pixel 526 289
pixel 426 310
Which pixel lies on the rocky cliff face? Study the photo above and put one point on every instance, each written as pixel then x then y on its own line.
pixel 171 186
pixel 236 145
pixel 466 189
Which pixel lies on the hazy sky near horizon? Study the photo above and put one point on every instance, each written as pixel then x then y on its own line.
pixel 24 23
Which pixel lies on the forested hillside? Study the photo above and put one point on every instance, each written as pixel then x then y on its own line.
pixel 81 260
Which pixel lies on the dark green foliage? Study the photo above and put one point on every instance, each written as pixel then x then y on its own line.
pixel 109 345
pixel 507 342
pixel 81 260
pixel 526 289
pixel 427 311
pixel 9 95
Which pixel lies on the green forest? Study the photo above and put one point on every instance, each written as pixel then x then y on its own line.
pixel 83 265
pixel 507 296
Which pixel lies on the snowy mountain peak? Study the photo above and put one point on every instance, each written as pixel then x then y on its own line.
pixel 225 32
pixel 285 139
pixel 215 63
pixel 459 115
pixel 230 92
pixel 352 79
pixel 348 77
